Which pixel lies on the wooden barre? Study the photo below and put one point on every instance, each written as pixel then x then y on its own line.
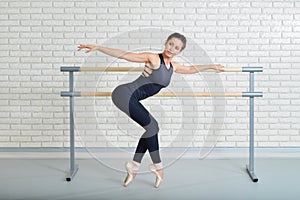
pixel 172 94
pixel 111 69
pixel 139 69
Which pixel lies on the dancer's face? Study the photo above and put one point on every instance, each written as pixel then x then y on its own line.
pixel 173 47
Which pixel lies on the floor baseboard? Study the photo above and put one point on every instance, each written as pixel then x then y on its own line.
pixel 115 153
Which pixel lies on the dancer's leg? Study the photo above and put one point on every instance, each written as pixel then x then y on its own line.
pixel 149 140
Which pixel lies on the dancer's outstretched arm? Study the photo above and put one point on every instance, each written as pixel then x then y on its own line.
pixel 129 56
pixel 178 68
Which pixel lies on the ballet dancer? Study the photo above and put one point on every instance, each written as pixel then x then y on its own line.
pixel 156 75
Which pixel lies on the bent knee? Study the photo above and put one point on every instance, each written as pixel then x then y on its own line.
pixel 152 126
pixel 156 127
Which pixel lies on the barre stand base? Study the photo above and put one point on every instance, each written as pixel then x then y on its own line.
pixel 72 173
pixel 251 174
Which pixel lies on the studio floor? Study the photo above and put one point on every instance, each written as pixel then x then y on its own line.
pixel 208 179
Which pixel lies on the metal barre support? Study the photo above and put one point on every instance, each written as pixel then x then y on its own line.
pixel 71 94
pixel 69 69
pixel 252 69
pixel 250 167
pixel 73 168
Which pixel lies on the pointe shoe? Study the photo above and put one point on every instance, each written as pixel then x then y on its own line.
pixel 155 168
pixel 131 168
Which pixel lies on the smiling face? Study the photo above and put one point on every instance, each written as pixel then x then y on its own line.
pixel 173 47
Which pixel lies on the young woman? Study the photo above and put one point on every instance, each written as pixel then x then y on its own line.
pixel 157 74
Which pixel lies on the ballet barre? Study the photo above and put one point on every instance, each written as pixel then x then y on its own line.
pixel 72 93
pixel 140 69
pixel 169 94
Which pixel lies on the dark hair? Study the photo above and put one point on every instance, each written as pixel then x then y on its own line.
pixel 180 37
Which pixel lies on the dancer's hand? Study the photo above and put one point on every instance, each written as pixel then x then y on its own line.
pixel 89 48
pixel 218 67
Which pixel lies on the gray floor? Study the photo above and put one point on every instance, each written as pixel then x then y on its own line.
pixel 186 179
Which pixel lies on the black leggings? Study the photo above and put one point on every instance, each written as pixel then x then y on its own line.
pixel 127 101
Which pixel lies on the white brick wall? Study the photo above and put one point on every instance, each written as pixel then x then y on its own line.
pixel 37 37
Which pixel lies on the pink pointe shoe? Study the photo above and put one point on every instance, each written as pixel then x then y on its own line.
pixel 131 167
pixel 155 168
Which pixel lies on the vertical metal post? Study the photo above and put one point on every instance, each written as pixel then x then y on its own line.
pixel 250 167
pixel 73 167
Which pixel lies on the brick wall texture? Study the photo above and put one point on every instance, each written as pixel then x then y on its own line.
pixel 37 37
